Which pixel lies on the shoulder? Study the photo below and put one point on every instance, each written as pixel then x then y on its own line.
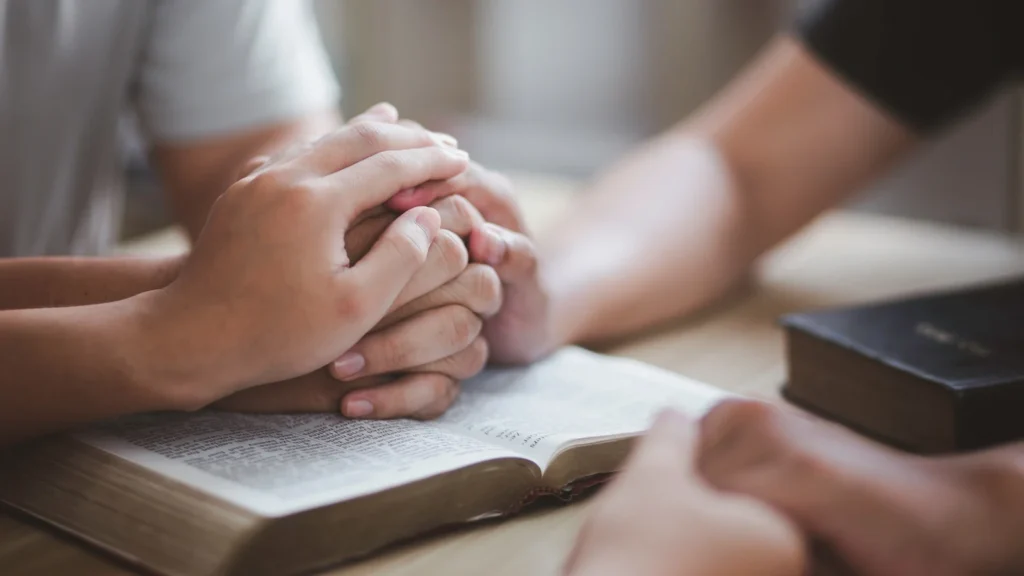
pixel 215 67
pixel 924 61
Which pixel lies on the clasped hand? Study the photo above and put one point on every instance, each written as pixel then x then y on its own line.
pixel 271 290
pixel 741 490
pixel 436 331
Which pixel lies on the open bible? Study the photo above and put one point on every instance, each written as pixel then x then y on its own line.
pixel 225 493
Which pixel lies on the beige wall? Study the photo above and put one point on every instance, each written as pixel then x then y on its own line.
pixel 418 54
pixel 968 175
pixel 569 85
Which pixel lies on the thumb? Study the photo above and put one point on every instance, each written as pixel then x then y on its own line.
pixel 511 254
pixel 671 442
pixel 389 265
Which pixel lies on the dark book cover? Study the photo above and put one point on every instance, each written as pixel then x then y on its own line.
pixel 931 374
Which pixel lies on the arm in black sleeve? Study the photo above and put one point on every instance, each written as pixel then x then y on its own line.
pixel 926 62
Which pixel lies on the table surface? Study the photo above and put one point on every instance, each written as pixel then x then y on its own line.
pixel 840 259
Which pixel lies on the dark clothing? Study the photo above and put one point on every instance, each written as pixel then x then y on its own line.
pixel 926 62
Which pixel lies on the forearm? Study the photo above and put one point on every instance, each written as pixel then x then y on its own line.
pixel 66 366
pixel 657 237
pixel 682 220
pixel 58 282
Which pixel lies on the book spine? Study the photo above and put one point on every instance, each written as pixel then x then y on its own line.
pixel 990 415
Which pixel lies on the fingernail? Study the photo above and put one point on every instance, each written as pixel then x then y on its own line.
pixel 405 193
pixel 358 409
pixel 444 139
pixel 349 365
pixel 456 153
pixel 497 252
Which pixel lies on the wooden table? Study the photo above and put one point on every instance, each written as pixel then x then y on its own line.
pixel 843 258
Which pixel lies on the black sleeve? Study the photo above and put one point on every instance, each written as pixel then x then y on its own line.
pixel 924 61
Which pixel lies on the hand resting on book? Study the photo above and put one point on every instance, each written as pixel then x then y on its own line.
pixel 523 330
pixel 411 363
pixel 413 360
pixel 267 293
pixel 303 301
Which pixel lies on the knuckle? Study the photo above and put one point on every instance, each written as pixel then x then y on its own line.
pixel 723 435
pixel 754 417
pixel 278 187
pixel 446 391
pixel 272 179
pixel 526 253
pixel 300 196
pixel 463 212
pixel 741 417
pixel 393 161
pixel 467 362
pixel 751 433
pixel 476 358
pixel 439 389
pixel 387 352
pixel 369 134
pixel 465 327
pixel 454 256
pixel 323 398
pixel 402 246
pixel 252 165
pixel 430 413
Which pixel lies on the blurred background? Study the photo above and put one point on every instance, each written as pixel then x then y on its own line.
pixel 563 87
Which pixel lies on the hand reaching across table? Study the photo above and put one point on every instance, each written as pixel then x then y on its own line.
pixel 660 518
pixel 883 512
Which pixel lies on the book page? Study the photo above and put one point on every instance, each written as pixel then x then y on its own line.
pixel 572 396
pixel 279 464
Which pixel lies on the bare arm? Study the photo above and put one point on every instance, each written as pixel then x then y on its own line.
pixel 195 174
pixel 58 282
pixel 73 343
pixel 64 366
pixel 681 220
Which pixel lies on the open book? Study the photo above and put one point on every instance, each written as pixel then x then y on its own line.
pixel 224 493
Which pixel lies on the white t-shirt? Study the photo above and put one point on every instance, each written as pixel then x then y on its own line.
pixel 190 69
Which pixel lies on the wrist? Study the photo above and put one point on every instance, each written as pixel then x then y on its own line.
pixel 171 364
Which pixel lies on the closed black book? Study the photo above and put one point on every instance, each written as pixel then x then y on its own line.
pixel 932 374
